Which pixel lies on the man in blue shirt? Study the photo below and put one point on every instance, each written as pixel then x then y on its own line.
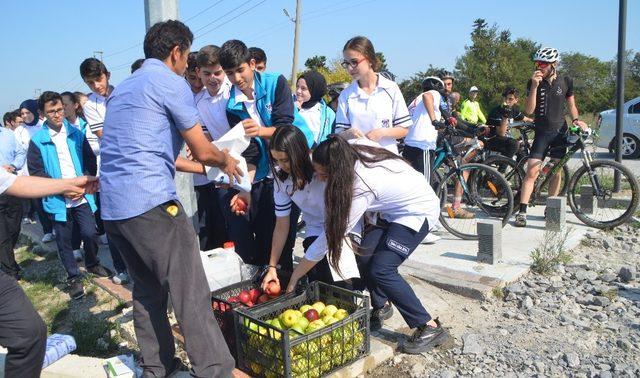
pixel 149 117
pixel 12 158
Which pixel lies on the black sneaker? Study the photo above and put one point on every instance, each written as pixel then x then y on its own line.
pixel 378 316
pixel 426 338
pixel 100 271
pixel 76 290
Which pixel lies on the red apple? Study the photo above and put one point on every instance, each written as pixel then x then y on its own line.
pixel 233 300
pixel 273 289
pixel 263 298
pixel 249 304
pixel 241 205
pixel 311 315
pixel 255 294
pixel 214 305
pixel 244 297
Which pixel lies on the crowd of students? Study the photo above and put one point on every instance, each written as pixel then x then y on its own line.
pixel 337 165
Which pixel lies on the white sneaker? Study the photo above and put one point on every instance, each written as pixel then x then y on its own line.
pixel 77 253
pixel 26 220
pixel 430 239
pixel 103 239
pixel 48 238
pixel 120 278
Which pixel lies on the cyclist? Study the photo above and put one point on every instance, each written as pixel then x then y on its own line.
pixel 547 95
pixel 498 138
pixel 470 109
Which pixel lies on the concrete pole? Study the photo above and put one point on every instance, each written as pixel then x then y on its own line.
pixel 296 39
pixel 622 31
pixel 156 11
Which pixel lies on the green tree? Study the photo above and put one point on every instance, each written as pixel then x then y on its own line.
pixel 412 86
pixel 382 60
pixel 316 62
pixel 593 82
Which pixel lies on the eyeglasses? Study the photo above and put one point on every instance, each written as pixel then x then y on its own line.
pixel 542 64
pixel 53 112
pixel 353 63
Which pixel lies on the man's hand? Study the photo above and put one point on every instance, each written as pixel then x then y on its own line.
pixel 9 168
pixel 251 127
pixel 581 124
pixel 376 134
pixel 536 78
pixel 79 186
pixel 231 167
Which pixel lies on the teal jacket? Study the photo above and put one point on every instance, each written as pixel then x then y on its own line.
pixel 327 121
pixel 42 160
pixel 275 107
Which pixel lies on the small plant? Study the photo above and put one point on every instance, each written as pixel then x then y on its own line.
pixel 498 292
pixel 92 335
pixel 550 253
pixel 611 294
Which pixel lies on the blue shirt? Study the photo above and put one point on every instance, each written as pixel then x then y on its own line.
pixel 11 152
pixel 141 140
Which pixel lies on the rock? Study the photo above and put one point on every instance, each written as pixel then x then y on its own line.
pixel 601 301
pixel 417 370
pixel 627 273
pixel 580 275
pixel 516 289
pixel 605 374
pixel 396 360
pixel 471 345
pixel 539 365
pixel 521 316
pixel 608 242
pixel 503 332
pixel 623 344
pixel 526 303
pixel 601 317
pixel 572 359
pixel 447 374
pixel 591 236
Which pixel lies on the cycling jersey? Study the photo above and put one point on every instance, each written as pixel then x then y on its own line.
pixel 496 115
pixel 550 102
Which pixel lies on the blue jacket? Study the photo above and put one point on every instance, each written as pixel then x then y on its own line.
pixel 275 106
pixel 42 160
pixel 327 121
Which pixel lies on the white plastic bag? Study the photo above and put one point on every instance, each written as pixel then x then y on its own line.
pixel 236 142
pixel 221 267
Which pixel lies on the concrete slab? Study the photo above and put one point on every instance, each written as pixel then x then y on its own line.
pixel 69 366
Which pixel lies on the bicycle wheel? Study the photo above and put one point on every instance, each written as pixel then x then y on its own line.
pixel 541 198
pixel 482 192
pixel 509 169
pixel 607 208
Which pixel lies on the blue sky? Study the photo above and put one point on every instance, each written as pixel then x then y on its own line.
pixel 44 41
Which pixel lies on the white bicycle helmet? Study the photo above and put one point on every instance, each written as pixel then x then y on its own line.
pixel 546 54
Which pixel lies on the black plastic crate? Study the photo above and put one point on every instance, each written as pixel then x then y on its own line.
pixel 223 310
pixel 266 351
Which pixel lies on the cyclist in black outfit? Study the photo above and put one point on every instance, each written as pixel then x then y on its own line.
pixel 499 118
pixel 547 95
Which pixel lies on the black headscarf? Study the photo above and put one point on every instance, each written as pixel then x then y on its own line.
pixel 32 106
pixel 317 87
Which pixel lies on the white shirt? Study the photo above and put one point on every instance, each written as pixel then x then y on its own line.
pixel 249 104
pixel 383 108
pixel 94 111
pixel 198 179
pixel 395 190
pixel 213 110
pixel 310 200
pixel 23 135
pixel 422 134
pixel 313 118
pixel 91 138
pixel 67 170
pixel 6 180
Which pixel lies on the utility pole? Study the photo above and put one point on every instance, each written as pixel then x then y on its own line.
pixel 296 39
pixel 37 92
pixel 163 10
pixel 98 53
pixel 622 31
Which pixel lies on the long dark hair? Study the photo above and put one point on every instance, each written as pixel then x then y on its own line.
pixel 338 158
pixel 290 140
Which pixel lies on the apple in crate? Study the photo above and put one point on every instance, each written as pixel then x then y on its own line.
pixel 273 289
pixel 289 318
pixel 263 298
pixel 255 294
pixel 311 315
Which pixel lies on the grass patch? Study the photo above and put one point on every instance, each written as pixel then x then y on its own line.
pixel 498 292
pixel 47 301
pixel 611 294
pixel 550 253
pixel 92 335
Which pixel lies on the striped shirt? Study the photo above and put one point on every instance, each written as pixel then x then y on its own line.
pixel 141 140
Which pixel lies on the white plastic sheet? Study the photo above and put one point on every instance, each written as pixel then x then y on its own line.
pixel 236 142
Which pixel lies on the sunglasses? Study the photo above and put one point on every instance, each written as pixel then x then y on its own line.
pixel 353 63
pixel 542 64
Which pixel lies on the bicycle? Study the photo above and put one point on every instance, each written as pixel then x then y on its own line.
pixel 596 177
pixel 482 189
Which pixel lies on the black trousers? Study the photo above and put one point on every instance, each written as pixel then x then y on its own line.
pixel 504 145
pixel 43 217
pixel 162 256
pixel 420 160
pixel 321 271
pixel 10 220
pixel 82 216
pixel 214 232
pixel 22 331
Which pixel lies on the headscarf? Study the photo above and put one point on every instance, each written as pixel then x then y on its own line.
pixel 32 106
pixel 317 87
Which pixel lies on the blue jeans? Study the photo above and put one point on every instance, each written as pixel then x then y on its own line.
pixel 383 250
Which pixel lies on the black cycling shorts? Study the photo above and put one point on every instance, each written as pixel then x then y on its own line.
pixel 552 143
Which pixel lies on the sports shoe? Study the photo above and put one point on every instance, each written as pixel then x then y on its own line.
pixel 76 289
pixel 521 220
pixel 378 316
pixel 26 220
pixel 49 237
pixel 120 278
pixel 103 239
pixel 77 254
pixel 100 271
pixel 460 213
pixel 430 239
pixel 426 338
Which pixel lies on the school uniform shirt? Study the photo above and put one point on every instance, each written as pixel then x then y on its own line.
pixel 310 200
pixel 23 135
pixel 213 110
pixel 6 180
pixel 95 110
pixel 67 170
pixel 91 138
pixel 395 190
pixel 312 116
pixel 198 179
pixel 250 105
pixel 383 108
pixel 423 134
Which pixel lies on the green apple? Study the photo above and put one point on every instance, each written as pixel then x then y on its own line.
pixel 319 306
pixel 296 327
pixel 276 323
pixel 341 314
pixel 315 325
pixel 299 365
pixel 298 313
pixel 328 320
pixel 329 310
pixel 302 322
pixel 304 308
pixel 288 318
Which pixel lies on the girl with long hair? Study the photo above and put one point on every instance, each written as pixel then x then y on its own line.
pixel 361 178
pixel 372 106
pixel 296 183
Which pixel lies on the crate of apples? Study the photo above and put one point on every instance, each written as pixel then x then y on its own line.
pixel 255 296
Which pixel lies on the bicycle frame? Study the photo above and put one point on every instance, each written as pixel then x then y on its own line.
pixel 446 153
